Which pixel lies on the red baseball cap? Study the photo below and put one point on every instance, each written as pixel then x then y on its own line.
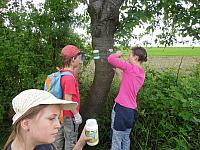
pixel 69 51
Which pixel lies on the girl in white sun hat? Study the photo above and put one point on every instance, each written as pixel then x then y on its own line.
pixel 36 121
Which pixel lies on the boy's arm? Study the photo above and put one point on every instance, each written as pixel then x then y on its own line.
pixel 68 97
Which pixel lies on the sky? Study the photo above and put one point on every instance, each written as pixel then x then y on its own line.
pixel 150 38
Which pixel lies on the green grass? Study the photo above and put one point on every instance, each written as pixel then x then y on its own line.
pixel 170 51
pixel 173 51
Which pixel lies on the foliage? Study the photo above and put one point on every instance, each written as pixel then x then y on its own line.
pixel 168 112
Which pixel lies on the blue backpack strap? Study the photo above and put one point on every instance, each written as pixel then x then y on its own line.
pixel 66 73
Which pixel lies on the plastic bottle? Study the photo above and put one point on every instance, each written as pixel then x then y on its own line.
pixel 91 130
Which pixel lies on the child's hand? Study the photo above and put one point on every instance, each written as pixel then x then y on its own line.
pixel 82 141
pixel 119 53
pixel 77 118
pixel 84 137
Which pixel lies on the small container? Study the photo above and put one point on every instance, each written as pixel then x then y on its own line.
pixel 91 130
pixel 96 54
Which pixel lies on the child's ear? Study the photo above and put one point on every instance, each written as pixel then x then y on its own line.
pixel 73 58
pixel 136 58
pixel 25 124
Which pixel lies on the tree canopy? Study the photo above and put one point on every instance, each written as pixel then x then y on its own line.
pixel 166 19
pixel 171 17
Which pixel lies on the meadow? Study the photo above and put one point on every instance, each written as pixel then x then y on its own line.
pixel 170 51
pixel 173 51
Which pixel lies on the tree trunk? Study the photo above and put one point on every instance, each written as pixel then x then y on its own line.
pixel 104 21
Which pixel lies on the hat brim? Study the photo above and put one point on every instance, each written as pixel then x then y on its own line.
pixel 64 104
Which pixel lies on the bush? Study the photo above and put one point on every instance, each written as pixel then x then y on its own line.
pixel 30 44
pixel 168 116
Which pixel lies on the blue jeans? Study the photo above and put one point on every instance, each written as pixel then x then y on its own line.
pixel 121 129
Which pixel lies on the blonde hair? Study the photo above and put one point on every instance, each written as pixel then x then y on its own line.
pixel 32 112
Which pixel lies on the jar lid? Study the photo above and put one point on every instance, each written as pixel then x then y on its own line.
pixel 91 122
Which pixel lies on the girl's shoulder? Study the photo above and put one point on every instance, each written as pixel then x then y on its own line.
pixel 39 147
pixel 134 68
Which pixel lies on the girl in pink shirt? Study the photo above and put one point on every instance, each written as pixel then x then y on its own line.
pixel 124 109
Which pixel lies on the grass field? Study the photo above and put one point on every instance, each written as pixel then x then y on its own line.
pixel 170 51
pixel 173 51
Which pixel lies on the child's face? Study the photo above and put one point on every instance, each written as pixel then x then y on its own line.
pixel 44 126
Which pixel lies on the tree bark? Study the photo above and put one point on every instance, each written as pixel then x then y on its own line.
pixel 104 21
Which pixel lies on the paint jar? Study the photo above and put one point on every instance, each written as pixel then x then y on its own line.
pixel 96 54
pixel 91 130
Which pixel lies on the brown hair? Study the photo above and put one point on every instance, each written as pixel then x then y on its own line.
pixel 32 112
pixel 140 52
pixel 66 61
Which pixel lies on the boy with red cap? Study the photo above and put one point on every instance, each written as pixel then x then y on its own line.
pixel 68 133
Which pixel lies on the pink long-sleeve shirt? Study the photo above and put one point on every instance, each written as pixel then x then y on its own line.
pixel 132 80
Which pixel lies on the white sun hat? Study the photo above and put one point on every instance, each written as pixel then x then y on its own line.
pixel 34 97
